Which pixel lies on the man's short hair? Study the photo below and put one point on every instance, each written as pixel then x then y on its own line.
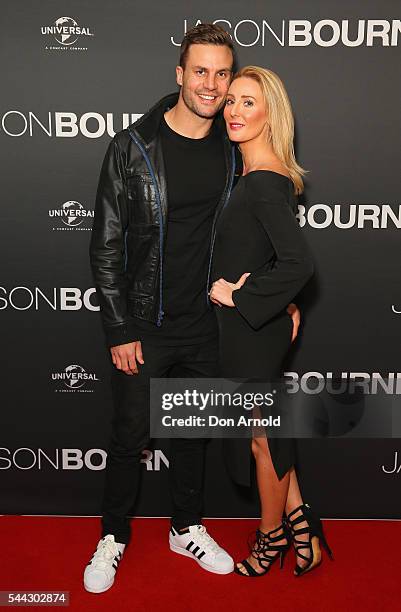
pixel 206 34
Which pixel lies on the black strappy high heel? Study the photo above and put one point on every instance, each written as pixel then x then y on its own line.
pixel 264 544
pixel 315 531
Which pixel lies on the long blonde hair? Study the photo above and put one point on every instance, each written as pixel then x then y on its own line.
pixel 281 119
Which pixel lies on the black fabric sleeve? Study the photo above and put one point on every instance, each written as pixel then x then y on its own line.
pixel 107 249
pixel 270 290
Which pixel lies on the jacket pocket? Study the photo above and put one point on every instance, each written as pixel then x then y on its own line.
pixel 142 199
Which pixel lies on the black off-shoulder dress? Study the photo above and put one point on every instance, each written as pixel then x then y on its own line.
pixel 258 232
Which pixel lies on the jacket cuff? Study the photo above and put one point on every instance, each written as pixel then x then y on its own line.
pixel 121 334
pixel 245 304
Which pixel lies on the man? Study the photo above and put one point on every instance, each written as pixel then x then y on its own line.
pixel 162 184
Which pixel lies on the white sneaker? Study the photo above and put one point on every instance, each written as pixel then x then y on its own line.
pixel 101 569
pixel 195 542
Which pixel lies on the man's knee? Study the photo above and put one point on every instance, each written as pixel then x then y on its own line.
pixel 126 446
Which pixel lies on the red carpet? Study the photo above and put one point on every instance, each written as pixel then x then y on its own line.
pixel 50 554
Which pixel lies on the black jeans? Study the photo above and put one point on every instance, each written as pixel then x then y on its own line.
pixel 130 436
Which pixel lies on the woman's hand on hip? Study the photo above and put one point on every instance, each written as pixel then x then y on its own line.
pixel 222 291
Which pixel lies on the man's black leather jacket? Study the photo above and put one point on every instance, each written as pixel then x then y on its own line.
pixel 129 230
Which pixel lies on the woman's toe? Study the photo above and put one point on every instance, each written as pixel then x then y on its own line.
pixel 242 569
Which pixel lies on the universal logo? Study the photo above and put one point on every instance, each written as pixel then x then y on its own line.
pixel 74 378
pixel 72 216
pixel 66 32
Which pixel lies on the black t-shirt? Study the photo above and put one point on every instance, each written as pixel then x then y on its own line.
pixel 195 175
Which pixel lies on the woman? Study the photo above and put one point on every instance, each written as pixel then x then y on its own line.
pixel 261 261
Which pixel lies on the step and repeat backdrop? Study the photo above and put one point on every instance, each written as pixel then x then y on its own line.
pixel 64 94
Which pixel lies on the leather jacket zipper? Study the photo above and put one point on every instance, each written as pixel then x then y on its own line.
pixel 161 233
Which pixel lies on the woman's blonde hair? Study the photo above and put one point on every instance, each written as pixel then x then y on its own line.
pixel 281 119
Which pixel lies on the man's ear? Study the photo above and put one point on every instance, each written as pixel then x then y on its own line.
pixel 179 74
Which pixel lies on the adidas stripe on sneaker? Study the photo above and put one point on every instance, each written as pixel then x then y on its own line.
pixel 195 542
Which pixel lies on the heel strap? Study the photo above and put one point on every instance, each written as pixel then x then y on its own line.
pixel 265 550
pixel 271 538
pixel 304 508
pixel 307 516
pixel 314 528
pixel 268 538
pixel 268 543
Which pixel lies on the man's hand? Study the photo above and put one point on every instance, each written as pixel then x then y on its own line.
pixel 126 356
pixel 222 291
pixel 295 315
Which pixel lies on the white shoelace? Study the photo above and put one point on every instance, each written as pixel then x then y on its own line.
pixel 105 553
pixel 203 539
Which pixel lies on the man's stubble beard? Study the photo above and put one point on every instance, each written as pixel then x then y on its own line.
pixel 191 105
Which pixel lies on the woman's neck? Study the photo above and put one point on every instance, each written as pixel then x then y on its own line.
pixel 257 155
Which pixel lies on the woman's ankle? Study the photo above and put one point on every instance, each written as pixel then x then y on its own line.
pixel 293 504
pixel 267 527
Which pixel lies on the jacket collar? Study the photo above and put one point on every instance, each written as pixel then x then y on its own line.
pixel 148 125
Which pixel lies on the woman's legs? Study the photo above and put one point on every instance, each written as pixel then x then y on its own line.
pixel 273 495
pixel 272 491
pixel 294 497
